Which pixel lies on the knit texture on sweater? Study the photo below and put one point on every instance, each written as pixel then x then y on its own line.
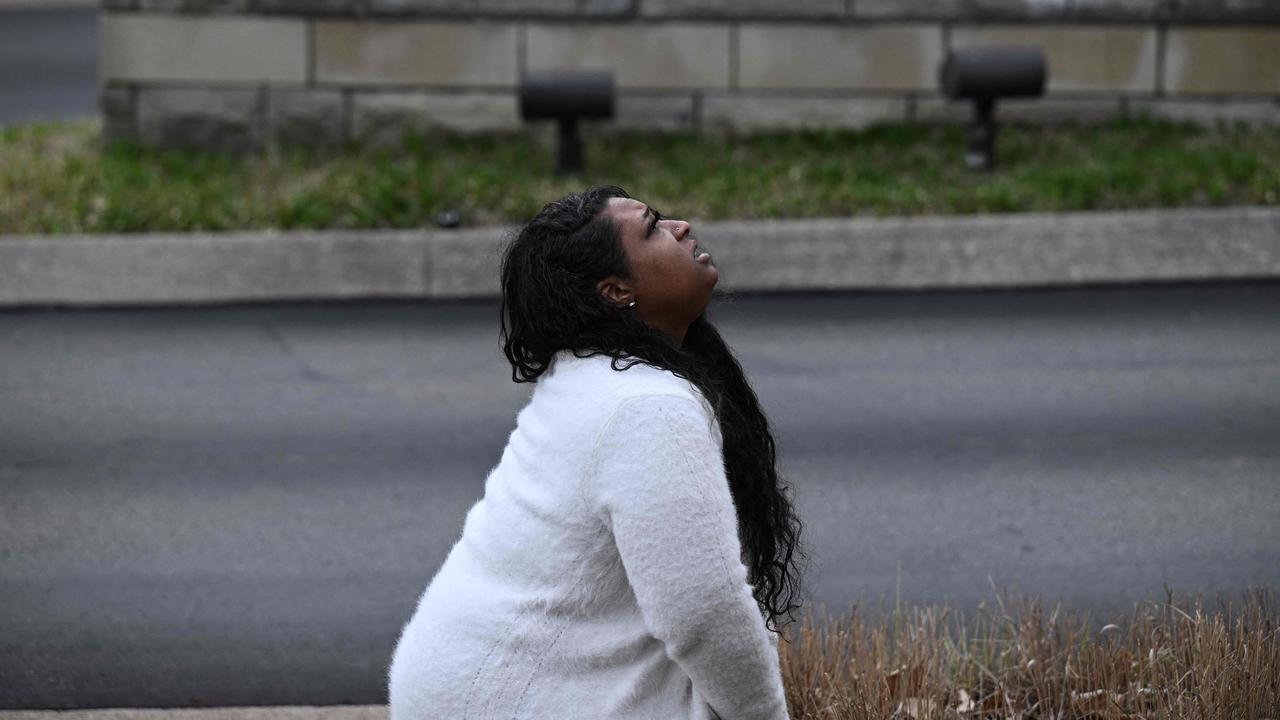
pixel 601 573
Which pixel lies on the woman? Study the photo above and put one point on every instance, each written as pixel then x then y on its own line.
pixel 604 574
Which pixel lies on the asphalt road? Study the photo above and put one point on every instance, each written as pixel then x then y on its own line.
pixel 240 505
pixel 48 64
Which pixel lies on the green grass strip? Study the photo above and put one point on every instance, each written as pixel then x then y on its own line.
pixel 55 177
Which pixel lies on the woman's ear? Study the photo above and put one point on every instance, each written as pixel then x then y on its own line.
pixel 615 290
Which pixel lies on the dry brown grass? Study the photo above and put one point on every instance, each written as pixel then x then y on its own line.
pixel 1023 662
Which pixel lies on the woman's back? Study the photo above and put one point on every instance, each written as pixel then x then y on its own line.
pixel 600 574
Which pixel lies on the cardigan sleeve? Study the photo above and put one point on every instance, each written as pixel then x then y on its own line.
pixel 659 482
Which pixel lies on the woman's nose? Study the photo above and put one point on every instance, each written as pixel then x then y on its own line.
pixel 682 229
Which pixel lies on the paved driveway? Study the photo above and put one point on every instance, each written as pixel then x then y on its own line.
pixel 240 505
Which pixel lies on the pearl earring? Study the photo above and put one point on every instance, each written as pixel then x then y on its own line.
pixel 633 304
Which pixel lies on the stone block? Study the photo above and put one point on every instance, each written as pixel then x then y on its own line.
pixel 1224 11
pixel 1061 110
pixel 647 113
pixel 203 48
pixel 304 117
pixel 742 114
pixel 1211 113
pixel 196 6
pixel 415 53
pixel 1222 61
pixel 652 112
pixel 1015 9
pixel 742 8
pixel 214 119
pixel 382 119
pixel 1025 111
pixel 119 113
pixel 816 56
pixel 309 7
pixel 1119 10
pixel 665 55
pixel 907 9
pixel 472 8
pixel 608 8
pixel 1079 58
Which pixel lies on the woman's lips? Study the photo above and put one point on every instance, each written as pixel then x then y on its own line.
pixel 701 257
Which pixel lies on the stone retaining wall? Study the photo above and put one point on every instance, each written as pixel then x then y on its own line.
pixel 244 74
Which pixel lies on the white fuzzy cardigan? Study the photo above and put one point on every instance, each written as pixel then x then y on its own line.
pixel 601 574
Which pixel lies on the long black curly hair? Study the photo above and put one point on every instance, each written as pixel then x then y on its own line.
pixel 550 303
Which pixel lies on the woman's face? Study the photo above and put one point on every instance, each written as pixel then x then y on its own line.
pixel 670 282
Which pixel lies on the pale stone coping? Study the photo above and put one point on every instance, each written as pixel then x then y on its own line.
pixel 671 54
pixel 222 48
pixel 1241 12
pixel 826 254
pixel 295 712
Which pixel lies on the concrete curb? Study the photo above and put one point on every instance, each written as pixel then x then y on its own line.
pixel 940 252
pixel 304 712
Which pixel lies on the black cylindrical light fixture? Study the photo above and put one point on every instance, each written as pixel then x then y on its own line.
pixel 567 96
pixel 984 75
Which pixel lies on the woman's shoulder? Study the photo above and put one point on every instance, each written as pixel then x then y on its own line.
pixel 612 386
pixel 604 393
